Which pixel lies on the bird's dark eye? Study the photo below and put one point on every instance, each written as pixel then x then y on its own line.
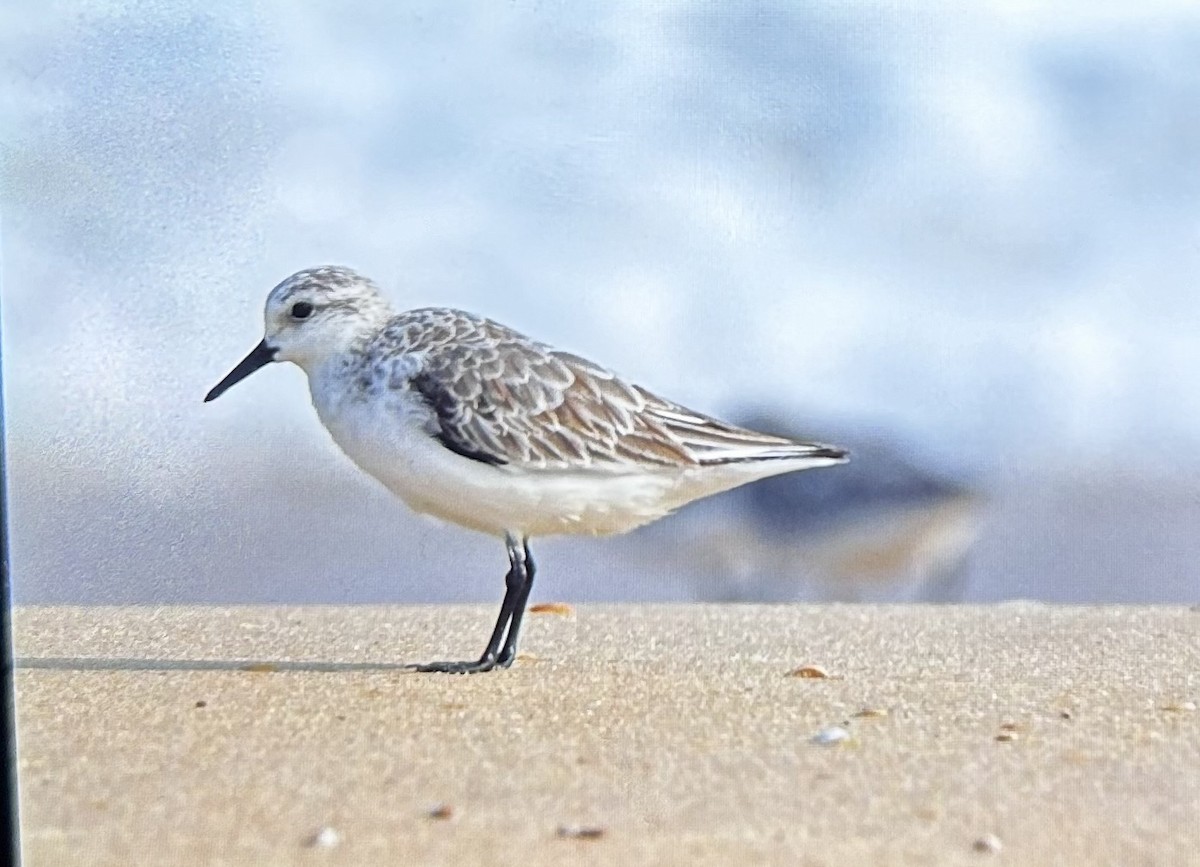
pixel 301 310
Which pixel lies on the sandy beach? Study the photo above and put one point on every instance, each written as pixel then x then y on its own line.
pixel 1011 734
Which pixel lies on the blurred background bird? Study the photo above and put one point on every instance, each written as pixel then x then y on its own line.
pixel 885 529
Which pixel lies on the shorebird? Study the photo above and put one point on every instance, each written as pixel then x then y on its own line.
pixel 888 527
pixel 472 422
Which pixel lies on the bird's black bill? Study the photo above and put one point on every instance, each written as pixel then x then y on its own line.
pixel 258 357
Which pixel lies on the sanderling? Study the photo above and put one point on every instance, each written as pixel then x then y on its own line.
pixel 472 422
pixel 889 527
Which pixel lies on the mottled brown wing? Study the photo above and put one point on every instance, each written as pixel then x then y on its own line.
pixel 504 399
pixel 501 398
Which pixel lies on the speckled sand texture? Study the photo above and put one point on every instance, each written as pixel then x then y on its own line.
pixel 1014 734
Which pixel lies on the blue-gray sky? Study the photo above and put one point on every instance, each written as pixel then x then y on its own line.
pixel 977 225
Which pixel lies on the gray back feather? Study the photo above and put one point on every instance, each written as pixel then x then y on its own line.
pixel 501 398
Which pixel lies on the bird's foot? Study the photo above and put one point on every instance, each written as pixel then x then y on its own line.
pixel 464 666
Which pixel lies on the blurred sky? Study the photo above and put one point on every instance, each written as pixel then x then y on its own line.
pixel 976 225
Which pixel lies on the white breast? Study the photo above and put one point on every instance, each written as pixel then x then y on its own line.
pixel 387 434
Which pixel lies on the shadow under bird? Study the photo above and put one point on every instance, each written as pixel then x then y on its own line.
pixel 472 422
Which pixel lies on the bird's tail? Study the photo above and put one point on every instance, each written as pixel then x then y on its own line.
pixel 714 442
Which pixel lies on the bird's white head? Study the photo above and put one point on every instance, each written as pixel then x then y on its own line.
pixel 320 312
pixel 310 317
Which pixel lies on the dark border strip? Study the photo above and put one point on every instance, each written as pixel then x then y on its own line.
pixel 9 809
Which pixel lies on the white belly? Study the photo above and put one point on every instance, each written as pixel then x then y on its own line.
pixel 387 439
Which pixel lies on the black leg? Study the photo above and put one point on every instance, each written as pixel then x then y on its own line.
pixel 517 584
pixel 509 653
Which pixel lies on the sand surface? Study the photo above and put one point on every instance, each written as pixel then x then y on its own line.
pixel 1014 734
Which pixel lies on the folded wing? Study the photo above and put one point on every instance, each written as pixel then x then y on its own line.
pixel 502 399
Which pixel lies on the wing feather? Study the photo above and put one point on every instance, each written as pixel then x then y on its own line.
pixel 500 398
